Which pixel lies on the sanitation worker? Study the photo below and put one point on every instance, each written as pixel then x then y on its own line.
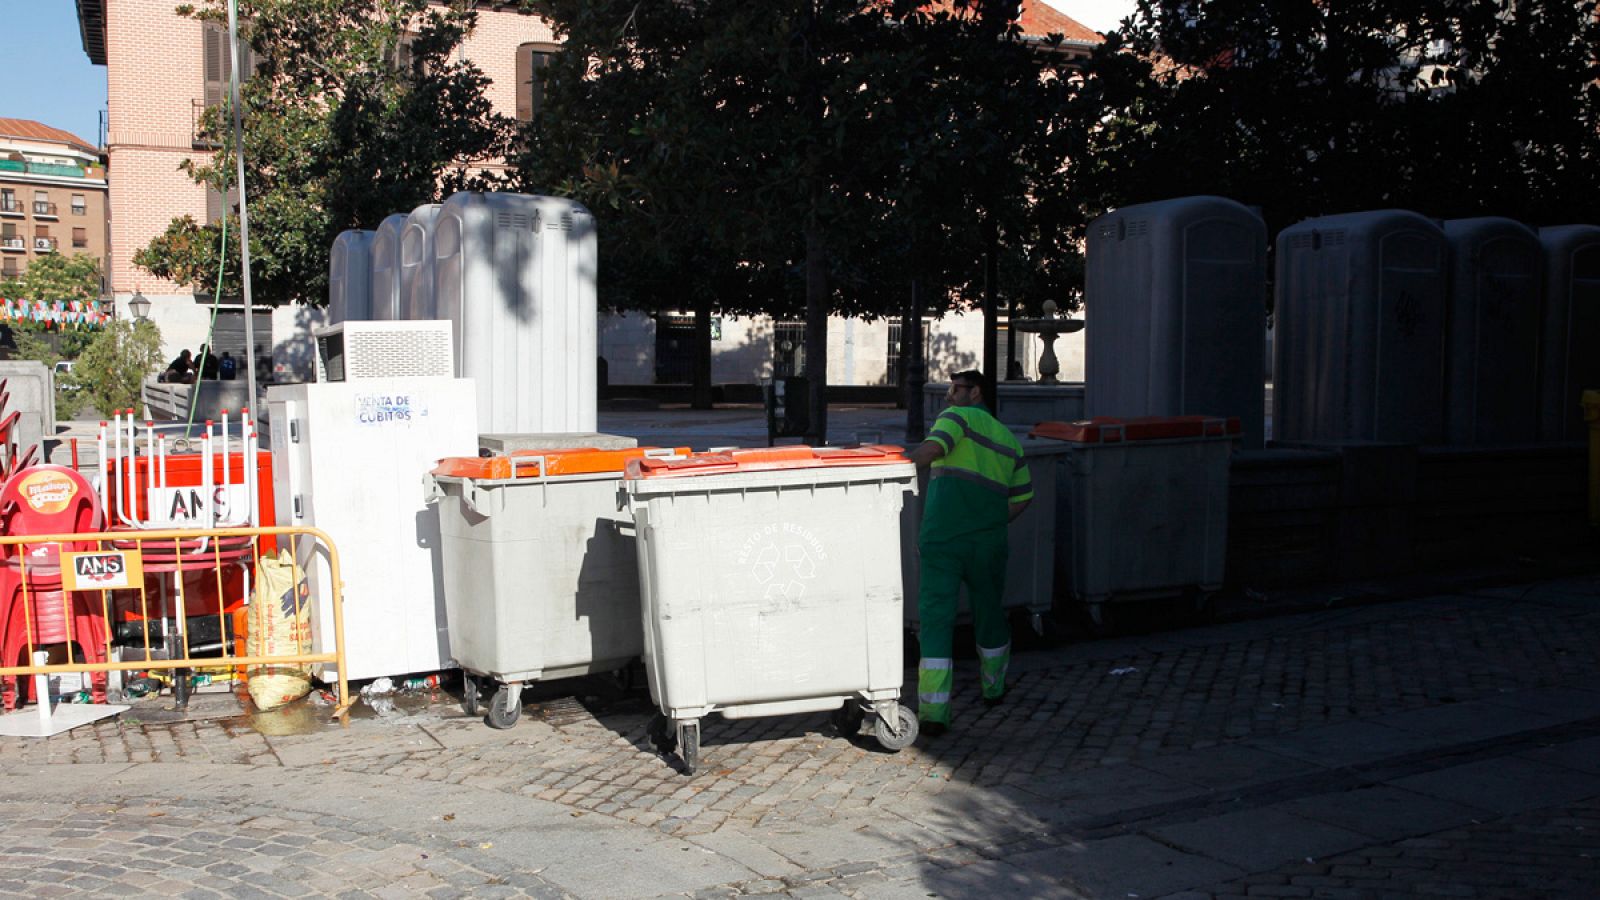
pixel 978 483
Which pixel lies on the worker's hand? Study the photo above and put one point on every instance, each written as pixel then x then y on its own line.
pixel 926 453
pixel 1016 510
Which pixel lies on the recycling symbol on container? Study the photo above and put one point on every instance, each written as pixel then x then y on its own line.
pixel 782 566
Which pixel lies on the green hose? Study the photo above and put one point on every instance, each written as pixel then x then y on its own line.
pixel 211 330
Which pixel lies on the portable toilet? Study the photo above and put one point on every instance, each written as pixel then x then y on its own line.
pixel 1176 302
pixel 1568 360
pixel 349 274
pixel 1492 332
pixel 1360 319
pixel 516 275
pixel 416 264
pixel 384 282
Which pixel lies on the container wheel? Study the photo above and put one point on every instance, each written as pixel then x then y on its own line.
pixel 471 695
pixel 906 726
pixel 848 718
pixel 689 746
pixel 505 707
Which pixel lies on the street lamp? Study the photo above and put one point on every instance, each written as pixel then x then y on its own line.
pixel 139 306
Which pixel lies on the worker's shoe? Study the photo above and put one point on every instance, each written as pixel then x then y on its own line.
pixel 932 729
pixel 992 702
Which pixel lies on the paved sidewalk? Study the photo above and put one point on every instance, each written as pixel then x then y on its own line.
pixel 1447 745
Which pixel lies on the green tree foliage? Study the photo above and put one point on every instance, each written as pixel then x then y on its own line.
pixel 55 276
pixel 114 365
pixel 1448 107
pixel 357 109
pixel 51 278
pixel 795 158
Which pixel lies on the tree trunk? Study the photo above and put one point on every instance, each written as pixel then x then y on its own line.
pixel 991 278
pixel 701 393
pixel 912 352
pixel 817 335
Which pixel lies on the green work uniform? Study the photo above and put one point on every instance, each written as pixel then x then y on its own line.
pixel 963 541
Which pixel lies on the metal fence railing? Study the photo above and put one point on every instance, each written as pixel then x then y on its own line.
pixel 159 601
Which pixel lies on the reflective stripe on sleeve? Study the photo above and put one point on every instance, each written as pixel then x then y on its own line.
pixel 950 471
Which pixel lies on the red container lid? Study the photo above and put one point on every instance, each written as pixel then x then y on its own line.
pixel 534 463
pixel 1111 430
pixel 763 459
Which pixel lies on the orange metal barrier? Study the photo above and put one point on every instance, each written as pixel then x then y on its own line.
pixel 73 589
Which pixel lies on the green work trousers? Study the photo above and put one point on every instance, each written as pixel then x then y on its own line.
pixel 978 561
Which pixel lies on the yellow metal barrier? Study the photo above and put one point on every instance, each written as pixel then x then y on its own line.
pixel 106 577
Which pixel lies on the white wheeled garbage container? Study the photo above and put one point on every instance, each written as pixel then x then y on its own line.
pixel 770 584
pixel 540 582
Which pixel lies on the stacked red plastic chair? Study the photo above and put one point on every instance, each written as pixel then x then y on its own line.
pixel 35 611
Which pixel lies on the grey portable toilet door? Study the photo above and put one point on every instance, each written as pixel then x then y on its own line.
pixel 1224 312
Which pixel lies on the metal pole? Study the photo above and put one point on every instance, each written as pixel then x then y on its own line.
pixel 244 216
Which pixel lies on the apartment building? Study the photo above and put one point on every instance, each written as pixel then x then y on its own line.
pixel 163 70
pixel 52 196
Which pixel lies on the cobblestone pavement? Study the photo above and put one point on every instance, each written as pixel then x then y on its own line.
pixel 1447 745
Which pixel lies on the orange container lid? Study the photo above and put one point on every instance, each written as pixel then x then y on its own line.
pixel 765 459
pixel 1112 430
pixel 536 463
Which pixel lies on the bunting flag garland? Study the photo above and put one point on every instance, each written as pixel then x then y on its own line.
pixel 54 314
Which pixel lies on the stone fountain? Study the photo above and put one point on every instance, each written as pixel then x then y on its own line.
pixel 1048 328
pixel 1024 404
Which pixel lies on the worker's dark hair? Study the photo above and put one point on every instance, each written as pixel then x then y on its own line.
pixel 972 378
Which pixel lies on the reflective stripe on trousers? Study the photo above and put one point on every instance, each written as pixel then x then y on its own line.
pixel 935 677
pixel 992 665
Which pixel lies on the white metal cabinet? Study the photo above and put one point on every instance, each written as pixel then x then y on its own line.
pixel 350 459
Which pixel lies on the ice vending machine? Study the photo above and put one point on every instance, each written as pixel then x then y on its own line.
pixel 350 458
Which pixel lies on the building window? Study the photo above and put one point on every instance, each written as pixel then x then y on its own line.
pixel 8 201
pixel 80 206
pixel 217 61
pixel 42 241
pixel 42 205
pixel 788 349
pixel 531 59
pixel 404 55
pixel 8 267
pixel 80 237
pixel 896 357
pixel 218 206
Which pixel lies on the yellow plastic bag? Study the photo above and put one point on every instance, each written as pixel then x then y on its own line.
pixel 279 625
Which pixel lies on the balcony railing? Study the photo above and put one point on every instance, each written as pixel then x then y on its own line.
pixel 44 245
pixel 79 209
pixel 44 208
pixel 9 275
pixel 10 205
pixel 198 138
pixel 13 242
pixel 38 168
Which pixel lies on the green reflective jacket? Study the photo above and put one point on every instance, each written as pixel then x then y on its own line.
pixel 980 475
